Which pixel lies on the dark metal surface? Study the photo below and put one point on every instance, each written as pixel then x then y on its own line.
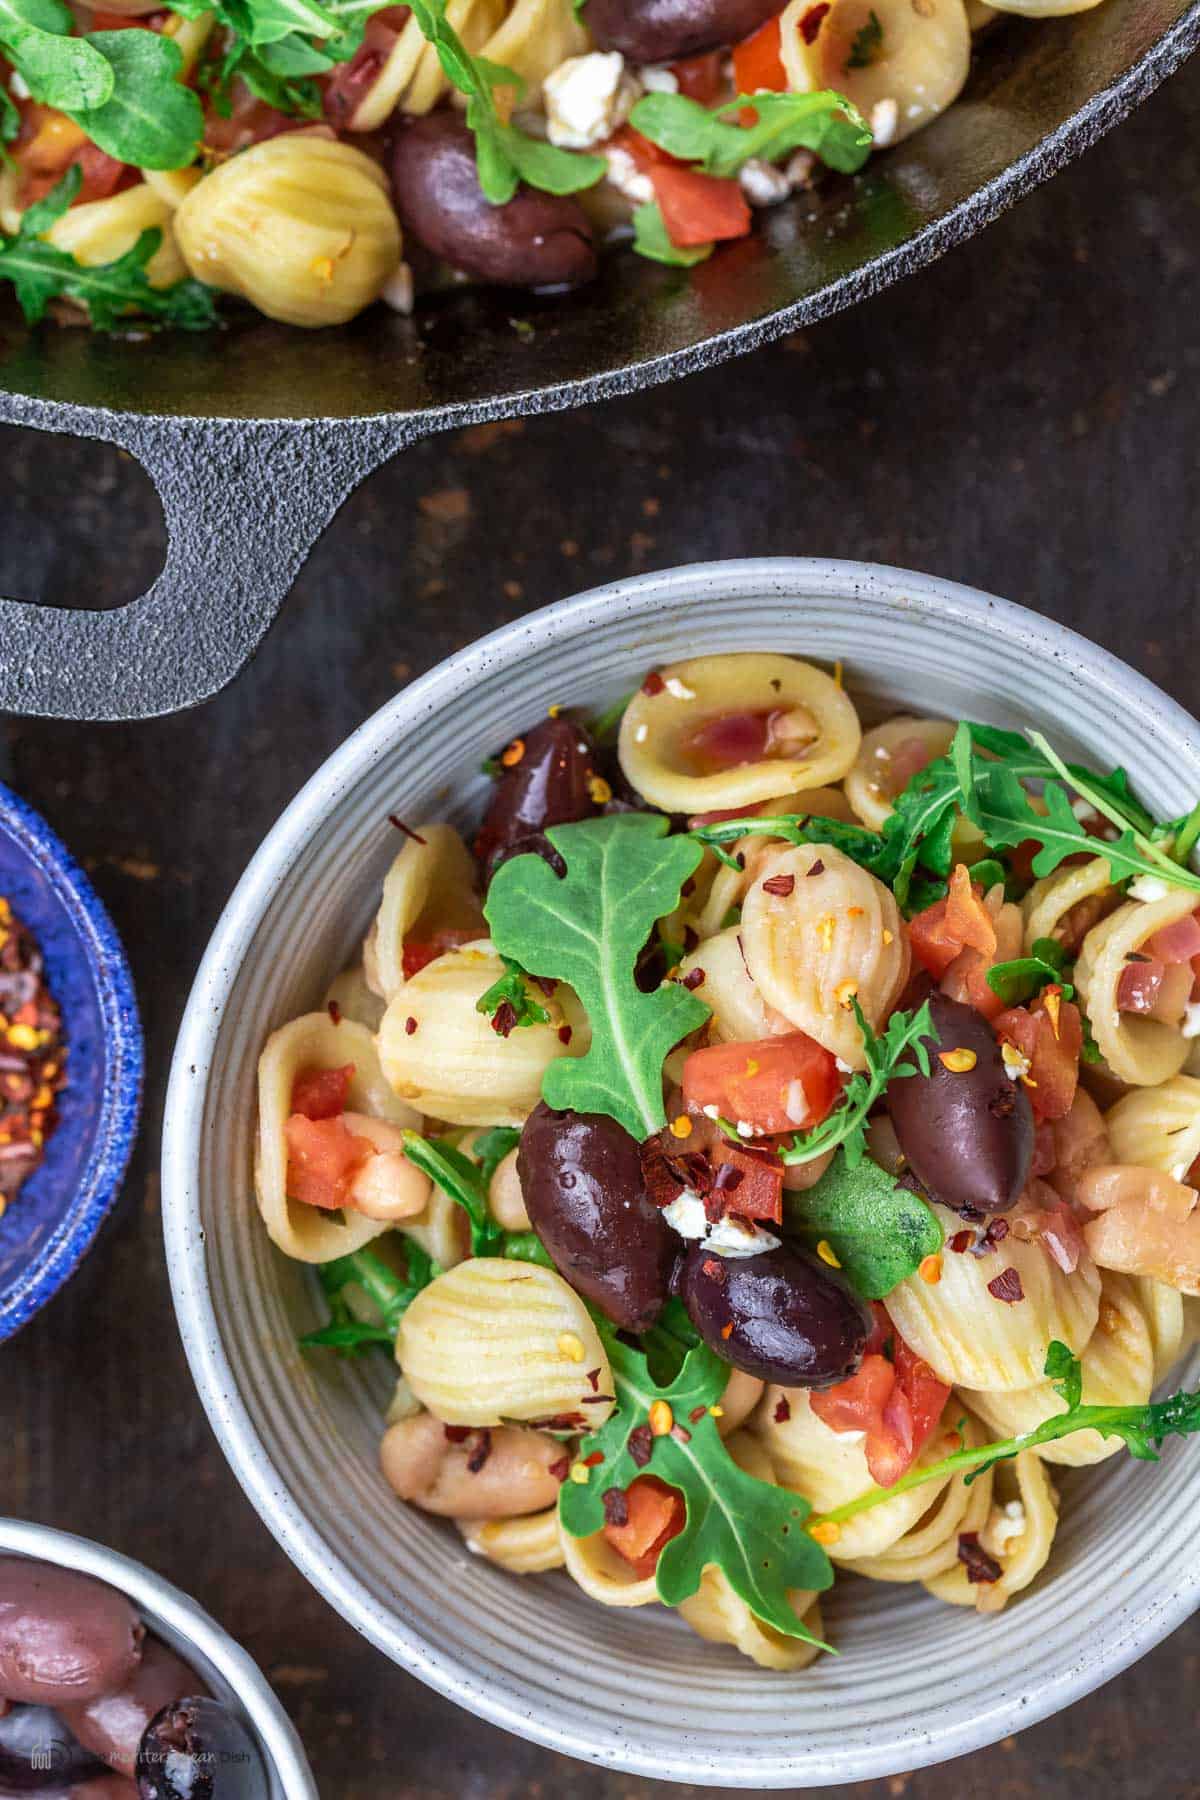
pixel 1021 417
pixel 255 436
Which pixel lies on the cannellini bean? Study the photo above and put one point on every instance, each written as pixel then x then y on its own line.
pixel 388 1186
pixel 505 1198
pixel 423 1464
pixel 1148 1224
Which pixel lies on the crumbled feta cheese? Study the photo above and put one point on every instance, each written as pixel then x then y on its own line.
pixel 882 752
pixel 801 169
pixel 1149 887
pixel 732 1236
pixel 843 1066
pixel 1015 1065
pixel 711 1112
pixel 744 1128
pixel 1007 1525
pixel 885 117
pixel 1083 809
pixel 629 180
pixel 678 690
pixel 795 1102
pixel 686 1215
pixel 1191 1019
pixel 587 97
pixel 660 80
pixel 18 87
pixel 762 183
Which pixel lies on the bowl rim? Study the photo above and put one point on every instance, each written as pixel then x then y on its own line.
pixel 162 1603
pixel 1121 1640
pixel 124 1064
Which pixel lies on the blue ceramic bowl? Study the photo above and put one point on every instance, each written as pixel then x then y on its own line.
pixel 49 1227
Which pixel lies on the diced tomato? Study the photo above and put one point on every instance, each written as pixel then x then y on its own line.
pixel 752 1187
pixel 250 121
pixel 323 1159
pixel 966 980
pixel 758 61
pixel 1177 942
pixel 656 1515
pixel 897 1404
pixel 699 77
pixel 1049 1033
pixel 351 81
pixel 50 144
pixel 698 208
pixel 774 1084
pixel 960 921
pixel 321 1093
pixel 1158 990
pixel 419 952
pixel 646 155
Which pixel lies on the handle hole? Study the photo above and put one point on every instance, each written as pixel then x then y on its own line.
pixel 81 523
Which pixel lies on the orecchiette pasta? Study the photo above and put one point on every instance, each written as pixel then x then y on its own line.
pixel 441 1054
pixel 1163 1309
pixel 803 732
pixel 536 37
pixel 716 1613
pixel 1158 1127
pixel 1018 1535
pixel 1139 1050
pixel 973 1340
pixel 888 757
pixel 315 1042
pixel 494 1340
pixel 602 1573
pixel 412 79
pixel 429 888
pixel 931 1547
pixel 739 1012
pixel 818 931
pixel 1074 897
pixel 524 1546
pixel 102 230
pixel 922 63
pixel 350 995
pixel 727 887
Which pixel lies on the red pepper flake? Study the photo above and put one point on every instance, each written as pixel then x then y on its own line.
pixel 997 1231
pixel 742 953
pixel 783 1410
pixel 812 21
pixel 640 1445
pixel 739 861
pixel 681 1434
pixel 697 1413
pixel 714 1268
pixel 694 978
pixel 335 1012
pixel 547 983
pixel 406 829
pixel 504 1018
pixel 457 1434
pixel 561 1469
pixel 481 1452
pixel 595 1459
pixel 593 1376
pixel 654 683
pixel 597 1399
pixel 410 1025
pixel 962 1240
pixel 565 1034
pixel 1007 1287
pixel 690 939
pixel 780 885
pixel 975 1559
pixel 818 868
pixel 616 1506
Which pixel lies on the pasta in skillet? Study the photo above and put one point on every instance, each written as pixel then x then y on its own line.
pixel 742 1192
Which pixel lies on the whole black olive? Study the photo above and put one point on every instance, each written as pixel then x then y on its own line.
pixel 967 1133
pixel 535 240
pixel 112 1725
pixel 581 1175
pixel 551 784
pixel 38 1754
pixel 781 1315
pixel 64 1638
pixel 196 1749
pixel 653 31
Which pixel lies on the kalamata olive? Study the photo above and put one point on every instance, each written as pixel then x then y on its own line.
pixel 550 784
pixel 581 1175
pixel 967 1133
pixel 64 1638
pixel 111 1726
pixel 653 31
pixel 535 240
pixel 195 1749
pixel 781 1315
pixel 38 1754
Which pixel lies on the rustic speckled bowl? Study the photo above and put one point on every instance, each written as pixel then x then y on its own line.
pixel 226 1670
pixel 916 1681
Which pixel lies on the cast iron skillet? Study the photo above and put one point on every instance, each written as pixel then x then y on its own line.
pixel 254 436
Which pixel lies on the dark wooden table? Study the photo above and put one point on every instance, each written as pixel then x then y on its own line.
pixel 1022 416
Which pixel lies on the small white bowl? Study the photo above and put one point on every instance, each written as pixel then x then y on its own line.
pixel 222 1665
pixel 917 1681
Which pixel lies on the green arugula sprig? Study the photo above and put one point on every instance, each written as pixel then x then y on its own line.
pixel 61 70
pixel 588 928
pixel 749 1529
pixel 652 240
pixel 824 122
pixel 1142 1429
pixel 511 991
pixel 466 1183
pixel 1018 981
pixel 367 1298
pixel 879 1232
pixel 111 291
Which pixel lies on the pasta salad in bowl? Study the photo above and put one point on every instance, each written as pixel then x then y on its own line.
pixel 732 1185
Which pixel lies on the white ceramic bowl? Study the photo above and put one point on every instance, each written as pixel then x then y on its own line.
pixel 224 1667
pixel 916 1681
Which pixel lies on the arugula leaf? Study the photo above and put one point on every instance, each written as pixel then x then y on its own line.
pixel 867 43
pixel 60 70
pixel 491 1148
pixel 879 1231
pixel 1183 834
pixel 1026 761
pixel 588 928
pixel 750 1530
pixel 10 120
pixel 1017 982
pixel 263 74
pixel 150 118
pixel 463 1181
pixel 652 239
pixel 1141 1428
pixel 824 122
pixel 907 1034
pixel 605 725
pixel 362 1283
pixel 111 291
pixel 509 1003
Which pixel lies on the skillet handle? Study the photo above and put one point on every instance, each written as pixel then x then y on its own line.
pixel 244 505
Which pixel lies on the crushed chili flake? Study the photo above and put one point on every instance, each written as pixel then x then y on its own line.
pixel 697 1413
pixel 565 1034
pixel 783 1410
pixel 560 1469
pixel 739 860
pixel 481 1452
pixel 818 868
pixel 594 1460
pixel 714 1268
pixel 504 1019
pixel 593 1376
pixel 410 1025
pixel 597 1399
pixel 694 978
pixel 1007 1287
pixel 812 21
pixel 997 1231
pixel 457 1434
pixel 616 1506
pixel 31 1055
pixel 962 1240
pixel 335 1011
pixel 780 885
pixel 547 983
pixel 654 683
pixel 975 1559
pixel 681 1434
pixel 406 829
pixel 640 1445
